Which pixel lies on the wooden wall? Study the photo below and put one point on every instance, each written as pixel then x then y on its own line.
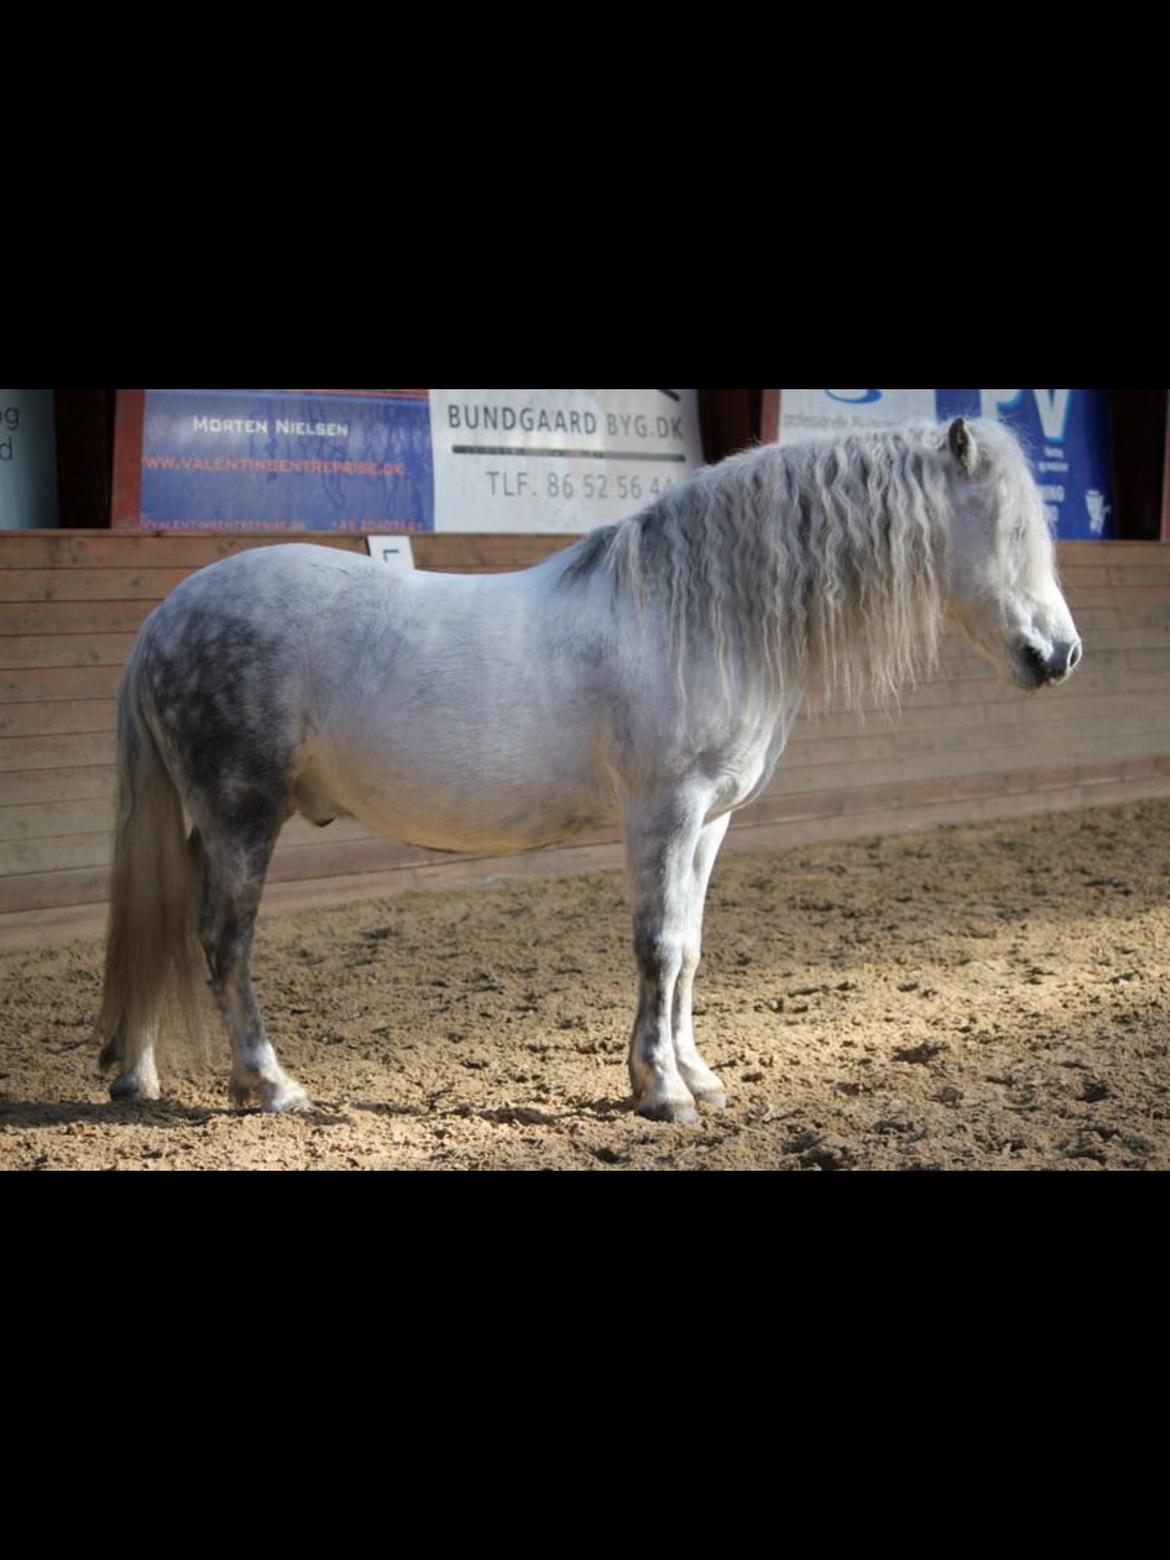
pixel 963 747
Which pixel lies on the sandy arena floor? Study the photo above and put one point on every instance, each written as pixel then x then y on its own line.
pixel 988 997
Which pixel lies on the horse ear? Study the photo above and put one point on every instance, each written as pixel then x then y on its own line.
pixel 962 445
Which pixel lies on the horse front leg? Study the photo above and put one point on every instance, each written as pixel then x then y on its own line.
pixel 698 1077
pixel 661 839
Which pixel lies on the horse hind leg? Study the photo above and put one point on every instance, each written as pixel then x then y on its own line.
pixel 138 1081
pixel 235 860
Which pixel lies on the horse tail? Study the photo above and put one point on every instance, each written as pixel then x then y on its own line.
pixel 154 965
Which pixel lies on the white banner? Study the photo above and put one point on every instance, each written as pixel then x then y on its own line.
pixel 557 460
pixel 811 414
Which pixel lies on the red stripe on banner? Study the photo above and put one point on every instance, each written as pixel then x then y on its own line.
pixel 128 432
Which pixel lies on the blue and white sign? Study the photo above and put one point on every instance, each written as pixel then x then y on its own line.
pixel 319 460
pixel 808 414
pixel 1067 434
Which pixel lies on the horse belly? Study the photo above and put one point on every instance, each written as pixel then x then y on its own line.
pixel 438 824
pixel 449 791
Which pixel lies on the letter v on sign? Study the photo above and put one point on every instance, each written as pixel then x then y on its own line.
pixel 1051 405
pixel 1053 408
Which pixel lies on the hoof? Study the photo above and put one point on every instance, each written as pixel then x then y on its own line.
pixel 286 1098
pixel 706 1086
pixel 128 1087
pixel 281 1098
pixel 716 1098
pixel 668 1110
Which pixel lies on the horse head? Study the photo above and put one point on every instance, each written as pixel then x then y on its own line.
pixel 1002 586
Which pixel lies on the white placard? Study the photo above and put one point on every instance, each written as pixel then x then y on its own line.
pixel 393 551
pixel 557 460
pixel 812 414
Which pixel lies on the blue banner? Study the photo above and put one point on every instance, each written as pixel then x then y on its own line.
pixel 1069 440
pixel 317 460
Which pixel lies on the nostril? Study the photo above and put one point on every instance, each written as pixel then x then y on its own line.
pixel 1035 663
pixel 1074 656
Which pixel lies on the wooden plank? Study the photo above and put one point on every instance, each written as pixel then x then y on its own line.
pixel 76 852
pixel 69 751
pixel 1065 728
pixel 44 719
pixel 27 849
pixel 787 836
pixel 44 890
pixel 1123 549
pixel 164 550
pixel 73 584
pixel 302 850
pixel 1149 570
pixel 65 851
pixel 1145 594
pixel 1075 702
pixel 1146 571
pixel 46 928
pixel 1089 619
pixel 45 820
pixel 74 617
pixel 65 650
pixel 90 550
pixel 1143 658
pixel 95 815
pixel 90 884
pixel 56 785
pixel 944 765
pixel 20 685
pixel 914 795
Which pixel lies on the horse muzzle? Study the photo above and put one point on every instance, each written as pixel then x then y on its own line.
pixel 1038 668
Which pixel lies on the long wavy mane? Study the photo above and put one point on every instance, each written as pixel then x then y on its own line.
pixel 821 564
